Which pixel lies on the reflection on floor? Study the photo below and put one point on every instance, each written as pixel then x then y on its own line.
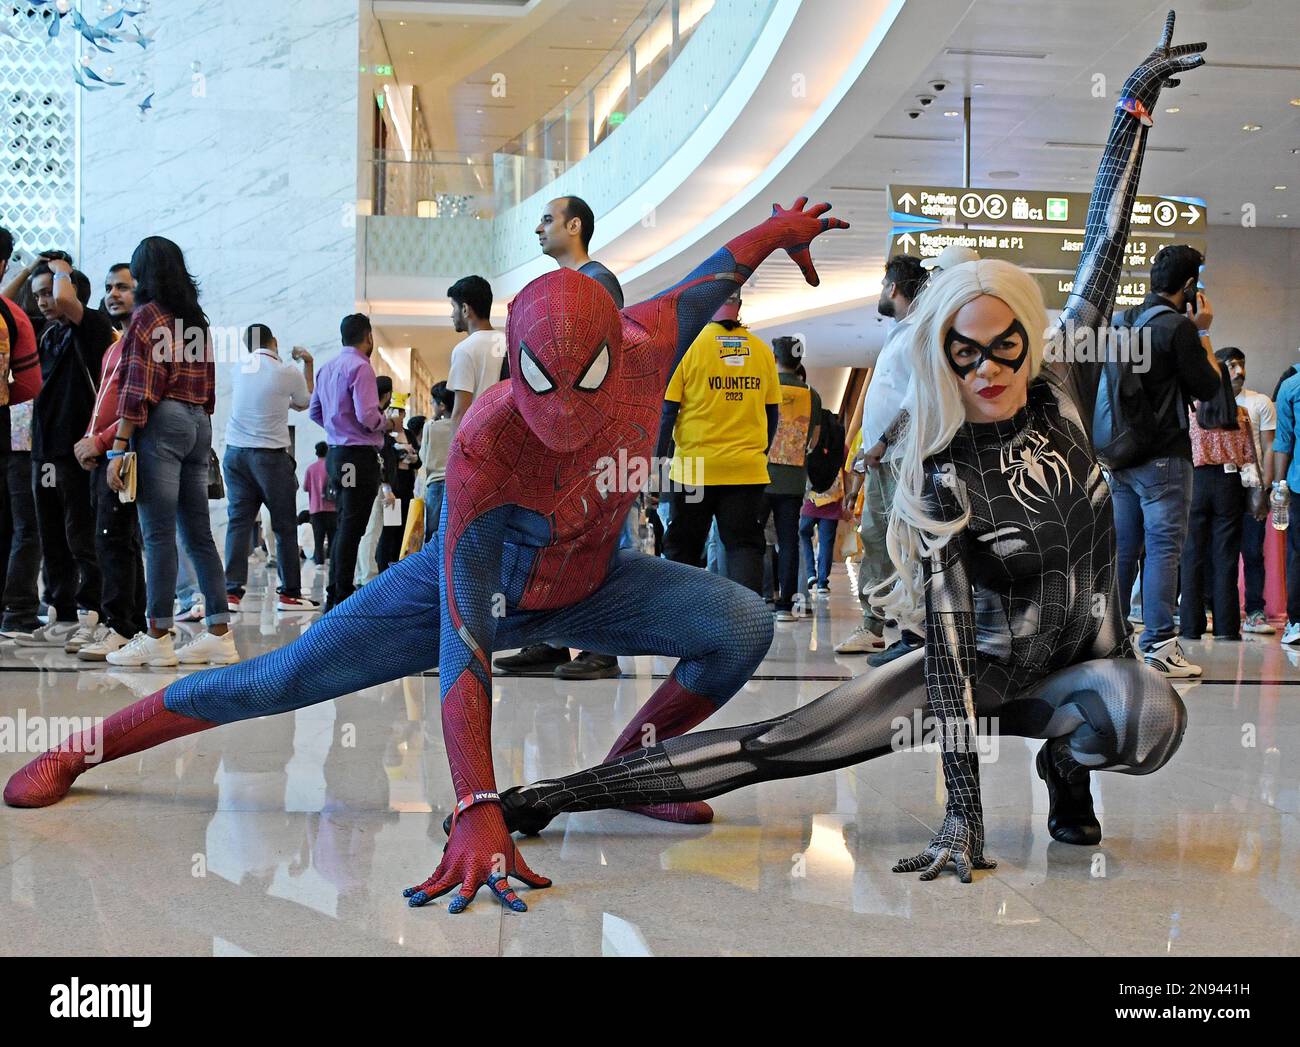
pixel 296 834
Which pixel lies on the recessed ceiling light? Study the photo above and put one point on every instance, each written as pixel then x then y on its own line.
pixel 951 112
pixel 1295 101
pixel 401 23
pixel 1284 216
pixel 1280 188
pixel 1251 127
pixel 978 87
pixel 410 52
pixel 1173 109
pixel 478 110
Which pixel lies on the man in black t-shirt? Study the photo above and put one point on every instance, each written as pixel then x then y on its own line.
pixel 1151 499
pixel 72 348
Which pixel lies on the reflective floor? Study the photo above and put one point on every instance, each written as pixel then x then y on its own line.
pixel 296 834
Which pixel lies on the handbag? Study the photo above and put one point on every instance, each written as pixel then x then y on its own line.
pixel 127 474
pixel 413 538
pixel 216 485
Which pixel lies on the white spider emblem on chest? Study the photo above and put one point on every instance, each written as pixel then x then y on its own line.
pixel 1031 461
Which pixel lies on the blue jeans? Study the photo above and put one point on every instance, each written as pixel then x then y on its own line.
pixel 257 476
pixel 785 508
pixel 434 492
pixel 825 545
pixel 172 495
pixel 1252 552
pixel 1151 504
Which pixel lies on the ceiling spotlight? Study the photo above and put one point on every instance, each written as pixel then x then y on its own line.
pixel 1173 109
pixel 951 112
pixel 1251 127
pixel 1284 216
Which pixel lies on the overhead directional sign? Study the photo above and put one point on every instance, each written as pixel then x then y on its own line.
pixel 1056 288
pixel 1030 250
pixel 1034 209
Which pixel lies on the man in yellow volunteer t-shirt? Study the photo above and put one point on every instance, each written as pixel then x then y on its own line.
pixel 722 409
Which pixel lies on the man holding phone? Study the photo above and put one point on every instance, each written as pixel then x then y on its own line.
pixel 1151 498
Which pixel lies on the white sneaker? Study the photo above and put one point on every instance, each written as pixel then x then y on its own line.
pixel 786 616
pixel 209 649
pixel 56 634
pixel 295 604
pixel 1257 622
pixel 1291 634
pixel 1168 658
pixel 233 603
pixel 861 641
pixel 144 649
pixel 88 631
pixel 109 640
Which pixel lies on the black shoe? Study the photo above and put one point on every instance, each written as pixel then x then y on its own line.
pixel 518 818
pixel 1070 817
pixel 539 659
pixel 589 666
pixel 905 644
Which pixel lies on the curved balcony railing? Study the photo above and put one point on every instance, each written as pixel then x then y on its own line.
pixel 441 185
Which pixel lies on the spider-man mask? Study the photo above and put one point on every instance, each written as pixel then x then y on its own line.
pixel 565 338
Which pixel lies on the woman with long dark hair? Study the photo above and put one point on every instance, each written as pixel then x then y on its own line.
pixel 167 397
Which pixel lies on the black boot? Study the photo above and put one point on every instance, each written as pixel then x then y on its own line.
pixel 1070 817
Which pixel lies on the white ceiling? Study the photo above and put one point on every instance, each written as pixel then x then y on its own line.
pixel 1253 71
pixel 451 56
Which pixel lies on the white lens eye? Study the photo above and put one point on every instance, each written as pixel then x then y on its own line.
pixel 533 375
pixel 595 374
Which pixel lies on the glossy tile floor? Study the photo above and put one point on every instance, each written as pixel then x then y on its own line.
pixel 296 834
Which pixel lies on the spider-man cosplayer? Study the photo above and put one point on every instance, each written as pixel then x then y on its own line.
pixel 529 545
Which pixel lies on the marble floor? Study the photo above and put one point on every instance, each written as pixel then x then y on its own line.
pixel 296 834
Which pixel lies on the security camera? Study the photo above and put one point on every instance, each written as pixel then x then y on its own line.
pixel 925 99
pixel 914 113
pixel 938 85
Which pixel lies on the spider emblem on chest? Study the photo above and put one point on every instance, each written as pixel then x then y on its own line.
pixel 1034 471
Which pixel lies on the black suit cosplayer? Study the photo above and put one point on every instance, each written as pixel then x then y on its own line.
pixel 1022 615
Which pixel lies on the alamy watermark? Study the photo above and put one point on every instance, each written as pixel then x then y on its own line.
pixel 629 474
pixel 932 735
pixel 1076 343
pixel 35 734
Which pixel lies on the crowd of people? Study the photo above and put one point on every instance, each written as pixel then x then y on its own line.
pixel 94 573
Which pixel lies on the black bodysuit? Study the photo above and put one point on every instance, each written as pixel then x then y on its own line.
pixel 1022 617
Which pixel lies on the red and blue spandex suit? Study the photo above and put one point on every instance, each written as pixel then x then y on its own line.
pixel 529 550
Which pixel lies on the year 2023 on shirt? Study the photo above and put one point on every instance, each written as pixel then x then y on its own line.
pixel 724 383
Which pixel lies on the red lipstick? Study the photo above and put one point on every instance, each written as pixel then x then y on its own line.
pixel 992 392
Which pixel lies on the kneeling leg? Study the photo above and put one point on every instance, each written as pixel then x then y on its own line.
pixel 1107 714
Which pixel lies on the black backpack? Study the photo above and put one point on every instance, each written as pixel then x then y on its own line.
pixel 1125 425
pixel 826 459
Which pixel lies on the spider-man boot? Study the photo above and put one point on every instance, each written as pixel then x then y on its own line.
pixel 671 710
pixel 147 723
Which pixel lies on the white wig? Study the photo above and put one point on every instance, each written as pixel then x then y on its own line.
pixel 936 413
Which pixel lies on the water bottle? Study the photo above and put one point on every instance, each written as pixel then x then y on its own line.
pixel 1281 503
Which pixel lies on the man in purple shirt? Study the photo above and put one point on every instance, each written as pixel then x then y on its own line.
pixel 346 404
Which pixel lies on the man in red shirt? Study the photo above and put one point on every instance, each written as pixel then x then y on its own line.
pixel 20 381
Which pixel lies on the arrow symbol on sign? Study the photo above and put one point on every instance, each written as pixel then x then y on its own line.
pixel 1191 214
pixel 906 201
pixel 905 241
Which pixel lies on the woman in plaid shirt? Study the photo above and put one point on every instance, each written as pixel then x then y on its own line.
pixel 168 392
